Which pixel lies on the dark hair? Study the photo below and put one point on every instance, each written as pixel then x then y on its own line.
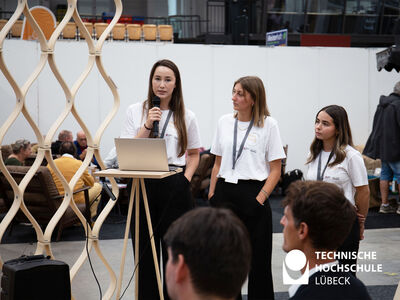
pixel 344 137
pixel 68 147
pixel 176 105
pixel 19 145
pixel 216 248
pixel 324 208
pixel 255 87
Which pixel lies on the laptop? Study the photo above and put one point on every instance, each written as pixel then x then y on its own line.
pixel 142 154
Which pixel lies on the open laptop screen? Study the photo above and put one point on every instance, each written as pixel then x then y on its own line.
pixel 141 154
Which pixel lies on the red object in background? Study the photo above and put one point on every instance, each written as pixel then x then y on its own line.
pixel 125 19
pixel 325 40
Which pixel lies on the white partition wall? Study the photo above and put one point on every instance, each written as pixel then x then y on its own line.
pixel 299 81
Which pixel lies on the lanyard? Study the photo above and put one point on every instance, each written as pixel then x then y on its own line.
pixel 234 158
pixel 166 124
pixel 320 176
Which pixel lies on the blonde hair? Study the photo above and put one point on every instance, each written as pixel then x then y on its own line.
pixel 255 87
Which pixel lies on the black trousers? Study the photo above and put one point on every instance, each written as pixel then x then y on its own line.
pixel 351 244
pixel 168 199
pixel 241 199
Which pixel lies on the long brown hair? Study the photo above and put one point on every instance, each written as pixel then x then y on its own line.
pixel 176 105
pixel 255 87
pixel 343 138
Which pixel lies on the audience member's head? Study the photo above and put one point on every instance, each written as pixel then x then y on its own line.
pixel 396 88
pixel 67 148
pixel 208 255
pixel 65 136
pixel 21 149
pixel 317 215
pixel 81 139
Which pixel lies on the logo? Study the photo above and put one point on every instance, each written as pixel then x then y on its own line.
pixel 295 260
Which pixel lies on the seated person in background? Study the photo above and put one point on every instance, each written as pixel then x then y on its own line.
pixel 63 136
pixel 208 255
pixel 317 219
pixel 111 161
pixel 21 150
pixel 81 147
pixel 34 148
pixel 68 165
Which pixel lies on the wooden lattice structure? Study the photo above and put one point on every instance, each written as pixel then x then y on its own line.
pixel 44 151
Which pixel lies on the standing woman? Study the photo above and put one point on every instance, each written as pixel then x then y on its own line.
pixel 247 167
pixel 333 159
pixel 170 197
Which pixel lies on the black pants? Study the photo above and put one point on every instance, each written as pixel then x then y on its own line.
pixel 168 199
pixel 351 244
pixel 241 199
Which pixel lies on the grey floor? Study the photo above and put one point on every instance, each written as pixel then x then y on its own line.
pixel 382 285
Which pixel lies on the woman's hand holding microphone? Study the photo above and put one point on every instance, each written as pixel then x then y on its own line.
pixel 154 115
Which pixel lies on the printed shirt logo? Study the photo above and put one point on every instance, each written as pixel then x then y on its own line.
pixel 252 139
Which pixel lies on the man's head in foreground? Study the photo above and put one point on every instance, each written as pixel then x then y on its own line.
pixel 317 216
pixel 208 255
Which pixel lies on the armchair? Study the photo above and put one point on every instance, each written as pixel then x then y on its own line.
pixel 42 198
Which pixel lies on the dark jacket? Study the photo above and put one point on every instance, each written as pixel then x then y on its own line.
pixel 321 286
pixel 384 140
pixel 79 151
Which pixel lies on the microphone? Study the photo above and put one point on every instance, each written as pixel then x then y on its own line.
pixel 156 103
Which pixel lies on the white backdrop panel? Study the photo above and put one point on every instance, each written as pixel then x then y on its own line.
pixel 298 80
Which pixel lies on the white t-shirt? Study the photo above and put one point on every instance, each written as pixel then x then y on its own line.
pixel 350 173
pixel 135 120
pixel 262 146
pixel 111 161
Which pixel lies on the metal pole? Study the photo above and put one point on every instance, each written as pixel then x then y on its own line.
pixel 381 16
pixel 305 17
pixel 344 16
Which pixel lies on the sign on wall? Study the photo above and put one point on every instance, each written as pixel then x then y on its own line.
pixel 276 38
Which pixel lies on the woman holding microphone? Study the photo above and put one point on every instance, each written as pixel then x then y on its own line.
pixel 170 197
pixel 333 159
pixel 247 167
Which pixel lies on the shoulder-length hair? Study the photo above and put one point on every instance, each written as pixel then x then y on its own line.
pixel 255 87
pixel 343 135
pixel 176 105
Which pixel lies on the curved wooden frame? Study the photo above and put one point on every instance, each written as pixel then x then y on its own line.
pixel 44 150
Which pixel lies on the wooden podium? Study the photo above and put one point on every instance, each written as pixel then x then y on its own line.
pixel 138 178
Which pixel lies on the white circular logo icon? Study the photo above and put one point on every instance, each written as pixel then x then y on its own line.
pixel 295 260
